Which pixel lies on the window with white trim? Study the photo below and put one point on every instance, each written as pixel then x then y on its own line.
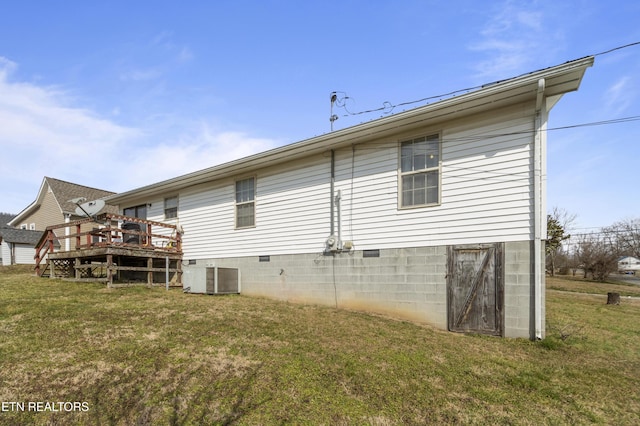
pixel 420 171
pixel 245 203
pixel 171 207
pixel 137 211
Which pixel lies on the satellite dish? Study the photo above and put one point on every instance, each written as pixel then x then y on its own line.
pixel 90 209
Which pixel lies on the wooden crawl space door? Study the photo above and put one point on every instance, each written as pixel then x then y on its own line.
pixel 475 288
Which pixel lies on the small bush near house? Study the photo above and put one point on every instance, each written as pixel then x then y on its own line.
pixel 149 356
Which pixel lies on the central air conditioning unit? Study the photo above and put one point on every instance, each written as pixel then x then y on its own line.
pixel 211 280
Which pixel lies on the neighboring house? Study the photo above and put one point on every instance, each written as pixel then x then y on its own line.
pixel 436 214
pixel 628 264
pixel 4 219
pixel 53 206
pixel 17 245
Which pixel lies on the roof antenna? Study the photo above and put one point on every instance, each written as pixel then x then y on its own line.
pixel 333 117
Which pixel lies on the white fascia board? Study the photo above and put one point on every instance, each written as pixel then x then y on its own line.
pixel 27 210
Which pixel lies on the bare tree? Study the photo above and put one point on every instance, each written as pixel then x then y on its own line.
pixel 627 236
pixel 598 255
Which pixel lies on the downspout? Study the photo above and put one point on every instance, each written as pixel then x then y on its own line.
pixel 67 241
pixel 332 190
pixel 337 205
pixel 539 215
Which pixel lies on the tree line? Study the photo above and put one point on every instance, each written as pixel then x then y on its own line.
pixel 594 254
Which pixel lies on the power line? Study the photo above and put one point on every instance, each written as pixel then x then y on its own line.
pixel 388 107
pixel 513 136
pixel 617 48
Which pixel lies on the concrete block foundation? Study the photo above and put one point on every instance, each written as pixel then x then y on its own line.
pixel 405 283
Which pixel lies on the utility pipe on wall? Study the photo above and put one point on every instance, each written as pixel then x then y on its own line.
pixel 332 190
pixel 539 217
pixel 337 204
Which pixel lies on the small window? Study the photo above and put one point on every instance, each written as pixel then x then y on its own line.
pixel 420 171
pixel 171 207
pixel 245 203
pixel 32 226
pixel 23 226
pixel 138 211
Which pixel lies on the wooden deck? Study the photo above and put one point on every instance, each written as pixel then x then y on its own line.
pixel 116 250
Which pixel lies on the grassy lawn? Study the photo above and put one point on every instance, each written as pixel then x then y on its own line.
pixel 148 356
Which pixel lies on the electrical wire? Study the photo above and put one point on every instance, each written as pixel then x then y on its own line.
pixel 617 48
pixel 388 107
pixel 513 136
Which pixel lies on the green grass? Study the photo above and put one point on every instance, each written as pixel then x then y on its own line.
pixel 581 285
pixel 147 356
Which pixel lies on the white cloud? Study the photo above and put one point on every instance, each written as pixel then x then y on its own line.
pixel 140 75
pixel 188 153
pixel 185 55
pixel 619 96
pixel 6 67
pixel 513 38
pixel 43 134
pixel 164 40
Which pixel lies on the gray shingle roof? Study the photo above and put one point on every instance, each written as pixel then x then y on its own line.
pixel 19 236
pixel 65 191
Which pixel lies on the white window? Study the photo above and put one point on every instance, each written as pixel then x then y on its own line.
pixel 171 207
pixel 23 226
pixel 32 226
pixel 420 171
pixel 245 203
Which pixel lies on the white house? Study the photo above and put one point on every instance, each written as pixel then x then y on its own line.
pixel 436 214
pixel 17 245
pixel 628 264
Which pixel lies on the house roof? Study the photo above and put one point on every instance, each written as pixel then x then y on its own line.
pixel 554 82
pixel 19 236
pixel 63 192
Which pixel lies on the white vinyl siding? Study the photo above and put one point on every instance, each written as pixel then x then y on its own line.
pixel 486 190
pixel 5 254
pixel 24 254
pixel 486 195
pixel 293 214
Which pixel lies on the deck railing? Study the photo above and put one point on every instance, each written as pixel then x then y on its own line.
pixel 109 230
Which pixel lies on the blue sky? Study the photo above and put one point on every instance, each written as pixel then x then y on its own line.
pixel 117 95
